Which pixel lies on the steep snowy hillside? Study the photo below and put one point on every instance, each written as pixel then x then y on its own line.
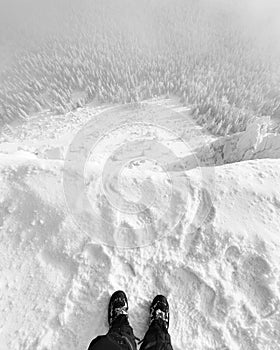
pixel 109 212
pixel 220 273
pixel 256 142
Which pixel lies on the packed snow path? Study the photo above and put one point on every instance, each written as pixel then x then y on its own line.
pixel 218 265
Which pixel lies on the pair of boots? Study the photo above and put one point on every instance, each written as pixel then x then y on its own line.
pixel 121 336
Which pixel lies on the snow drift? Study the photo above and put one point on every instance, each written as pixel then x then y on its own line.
pixel 256 142
pixel 220 276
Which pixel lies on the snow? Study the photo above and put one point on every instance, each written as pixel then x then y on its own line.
pixel 209 240
pixel 256 142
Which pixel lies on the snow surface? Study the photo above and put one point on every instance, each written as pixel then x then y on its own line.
pixel 256 142
pixel 109 212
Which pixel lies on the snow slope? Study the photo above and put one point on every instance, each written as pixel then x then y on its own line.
pixel 256 142
pixel 221 277
pixel 207 238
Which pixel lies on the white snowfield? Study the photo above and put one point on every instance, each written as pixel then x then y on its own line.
pixel 217 263
pixel 256 142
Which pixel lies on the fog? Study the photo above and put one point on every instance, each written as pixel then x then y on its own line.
pixel 37 17
pixel 121 51
pixel 202 71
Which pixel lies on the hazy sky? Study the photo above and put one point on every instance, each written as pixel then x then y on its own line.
pixel 260 17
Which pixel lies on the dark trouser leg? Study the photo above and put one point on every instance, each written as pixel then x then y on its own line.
pixel 119 337
pixel 157 337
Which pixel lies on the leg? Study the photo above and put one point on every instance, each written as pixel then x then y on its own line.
pixel 157 336
pixel 102 343
pixel 120 335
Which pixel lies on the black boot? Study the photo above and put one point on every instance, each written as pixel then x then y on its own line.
pixel 118 305
pixel 157 337
pixel 160 310
pixel 120 332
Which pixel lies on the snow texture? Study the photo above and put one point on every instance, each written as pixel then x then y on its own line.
pixel 218 266
pixel 254 143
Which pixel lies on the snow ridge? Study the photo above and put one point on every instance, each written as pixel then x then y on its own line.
pixel 221 281
pixel 209 241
